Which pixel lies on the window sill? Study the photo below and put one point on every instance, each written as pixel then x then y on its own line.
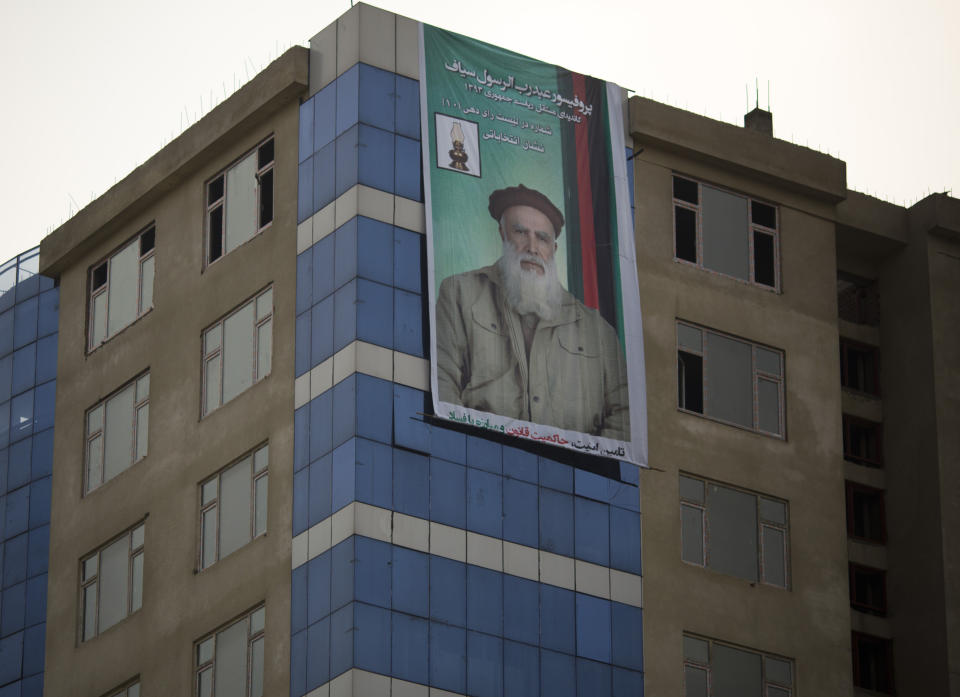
pixel 775 436
pixel 719 274
pixel 120 332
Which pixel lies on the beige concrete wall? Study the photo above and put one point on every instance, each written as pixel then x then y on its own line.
pixel 179 604
pixel 810 622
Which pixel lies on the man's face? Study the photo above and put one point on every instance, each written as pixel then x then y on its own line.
pixel 530 232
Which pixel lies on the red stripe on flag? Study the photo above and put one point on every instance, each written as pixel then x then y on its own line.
pixel 588 245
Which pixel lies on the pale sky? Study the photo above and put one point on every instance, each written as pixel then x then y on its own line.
pixel 92 89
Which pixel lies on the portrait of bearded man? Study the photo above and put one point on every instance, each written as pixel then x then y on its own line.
pixel 512 341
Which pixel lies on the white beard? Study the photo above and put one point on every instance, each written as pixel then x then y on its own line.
pixel 528 291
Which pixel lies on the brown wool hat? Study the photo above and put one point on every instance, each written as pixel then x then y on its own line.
pixel 502 199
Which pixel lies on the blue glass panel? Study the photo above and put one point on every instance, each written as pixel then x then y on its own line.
pixel 317 588
pixel 25 321
pixel 347 151
pixel 408 323
pixel 520 464
pixel 24 369
pixel 520 512
pixel 4 424
pixel 521 670
pixel 448 444
pixel 448 665
pixel 484 665
pixel 448 598
pixel 298 598
pixel 6 377
pixel 319 649
pixel 484 499
pixel 302 344
pixel 301 510
pixel 42 458
pixel 325 115
pixel 411 431
pixel 40 502
pixel 411 484
pixel 321 477
pixel 18 464
pixel 557 674
pixel 556 618
pixel 321 425
pixel 47 358
pixel 374 403
pixel 36 600
pixel 625 540
pixel 306 130
pixel 49 312
pixel 375 313
pixel 623 495
pixel 556 475
pixel 410 642
pixel 6 330
pixel 372 572
pixel 408 107
pixel 344 473
pixel 325 176
pixel 324 264
pixel 376 158
pixel 406 263
pixel 304 280
pixel 4 462
pixel 321 331
pixel 627 624
pixel 301 437
pixel 14 603
pixel 18 507
pixel 33 650
pixel 484 454
pixel 627 683
pixel 590 485
pixel 592 531
pixel 484 600
pixel 374 467
pixel 556 522
pixel 375 250
pixel 345 316
pixel 448 493
pixel 33 685
pixel 630 473
pixel 15 560
pixel 345 252
pixel 521 609
pixel 407 169
pixel 43 406
pixel 11 655
pixel 593 679
pixel 348 98
pixel 298 663
pixel 345 410
pixel 593 628
pixel 341 573
pixel 372 638
pixel 411 587
pixel 377 98
pixel 305 190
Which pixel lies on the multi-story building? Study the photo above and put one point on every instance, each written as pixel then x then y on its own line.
pixel 249 494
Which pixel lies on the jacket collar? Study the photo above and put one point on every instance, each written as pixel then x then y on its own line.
pixel 570 308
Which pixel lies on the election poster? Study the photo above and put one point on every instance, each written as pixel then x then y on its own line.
pixel 535 319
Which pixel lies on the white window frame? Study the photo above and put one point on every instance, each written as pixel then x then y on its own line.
pixel 146 259
pixel 257 460
pixel 752 228
pixel 90 581
pixel 130 690
pixel 215 203
pixel 95 428
pixel 212 349
pixel 205 654
pixel 766 681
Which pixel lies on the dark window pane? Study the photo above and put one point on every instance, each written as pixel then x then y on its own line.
pixel 266 198
pixel 147 240
pixel 865 511
pixel 859 368
pixel 685 190
pixel 732 532
pixel 686 226
pixel 763 259
pixel 265 154
pixel 215 190
pixel 100 275
pixel 765 215
pixel 216 233
pixel 690 381
pixel 868 591
pixel 871 663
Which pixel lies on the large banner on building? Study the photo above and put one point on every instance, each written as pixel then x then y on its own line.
pixel 534 312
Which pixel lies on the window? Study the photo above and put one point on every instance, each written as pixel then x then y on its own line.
pixel 868 589
pixel 734 532
pixel 872 662
pixel 121 288
pixel 240 202
pixel 858 299
pixel 131 690
pixel 729 379
pixel 866 516
pixel 117 432
pixel 725 232
pixel 229 662
pixel 859 367
pixel 862 441
pixel 233 507
pixel 112 583
pixel 237 351
pixel 712 669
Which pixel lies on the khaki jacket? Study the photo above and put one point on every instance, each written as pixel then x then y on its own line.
pixel 576 378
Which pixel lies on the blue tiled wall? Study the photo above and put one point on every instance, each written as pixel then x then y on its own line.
pixel 28 364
